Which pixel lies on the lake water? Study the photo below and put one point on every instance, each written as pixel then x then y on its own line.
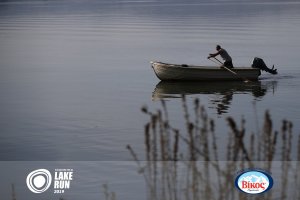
pixel 74 74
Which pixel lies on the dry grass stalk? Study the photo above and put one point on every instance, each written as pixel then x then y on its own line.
pixel 13 192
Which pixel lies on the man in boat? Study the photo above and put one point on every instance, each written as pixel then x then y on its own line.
pixel 225 56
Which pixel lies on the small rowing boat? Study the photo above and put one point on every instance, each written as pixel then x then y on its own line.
pixel 176 72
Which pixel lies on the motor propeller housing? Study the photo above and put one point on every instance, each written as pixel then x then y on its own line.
pixel 260 64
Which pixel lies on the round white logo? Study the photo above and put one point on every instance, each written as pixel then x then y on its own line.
pixel 39 180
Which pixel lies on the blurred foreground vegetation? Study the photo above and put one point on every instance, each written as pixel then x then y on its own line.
pixel 187 165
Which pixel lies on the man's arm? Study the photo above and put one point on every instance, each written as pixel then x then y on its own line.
pixel 213 54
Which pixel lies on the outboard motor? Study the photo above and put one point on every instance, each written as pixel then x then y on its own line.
pixel 260 64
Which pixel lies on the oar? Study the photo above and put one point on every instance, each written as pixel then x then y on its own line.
pixel 222 65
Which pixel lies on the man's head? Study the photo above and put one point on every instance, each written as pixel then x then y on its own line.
pixel 218 47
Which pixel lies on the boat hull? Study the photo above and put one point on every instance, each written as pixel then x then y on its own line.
pixel 173 72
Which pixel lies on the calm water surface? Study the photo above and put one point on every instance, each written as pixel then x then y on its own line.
pixel 74 74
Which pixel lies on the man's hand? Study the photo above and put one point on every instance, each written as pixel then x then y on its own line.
pixel 210 56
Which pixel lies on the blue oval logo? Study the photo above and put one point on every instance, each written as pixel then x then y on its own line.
pixel 254 182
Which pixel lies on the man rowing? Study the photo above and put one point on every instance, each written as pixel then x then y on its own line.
pixel 225 56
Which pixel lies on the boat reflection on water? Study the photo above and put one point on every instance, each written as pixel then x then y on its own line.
pixel 222 91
